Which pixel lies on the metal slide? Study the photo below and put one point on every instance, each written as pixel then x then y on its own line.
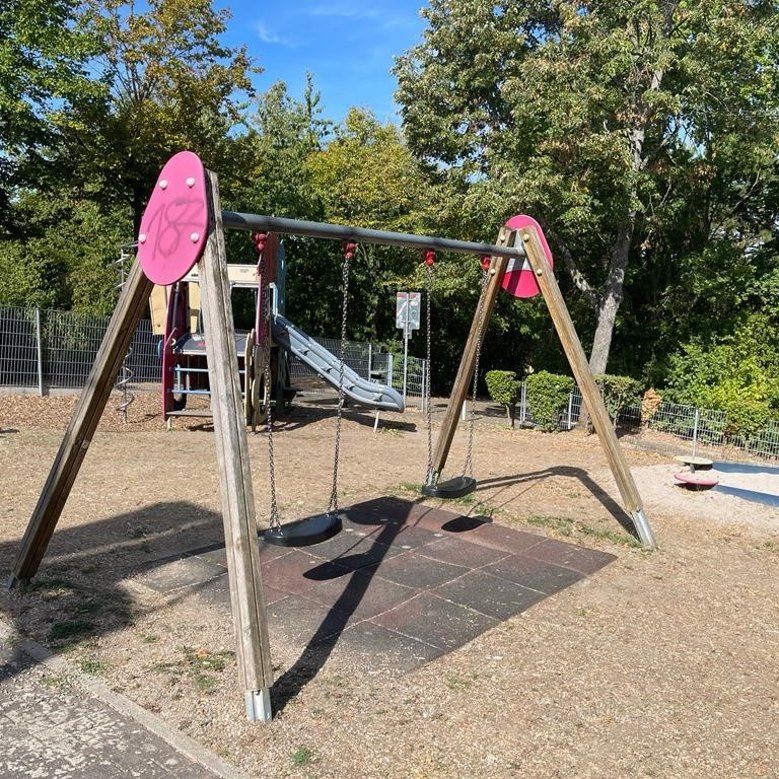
pixel 327 365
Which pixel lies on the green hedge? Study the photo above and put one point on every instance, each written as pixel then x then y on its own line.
pixel 547 396
pixel 618 392
pixel 504 388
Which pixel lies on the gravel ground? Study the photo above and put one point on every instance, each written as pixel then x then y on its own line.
pixel 662 664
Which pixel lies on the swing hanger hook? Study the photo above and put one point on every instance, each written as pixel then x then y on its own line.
pixel 349 249
pixel 259 240
pixel 485 261
pixel 429 257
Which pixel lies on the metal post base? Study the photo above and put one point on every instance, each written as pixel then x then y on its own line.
pixel 641 524
pixel 258 705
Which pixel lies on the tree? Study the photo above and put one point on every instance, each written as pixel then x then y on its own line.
pixel 42 65
pixel 67 258
pixel 367 176
pixel 623 125
pixel 171 84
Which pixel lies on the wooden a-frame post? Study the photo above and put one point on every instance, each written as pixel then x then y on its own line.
pixel 242 545
pixel 576 358
pixel 83 423
pixel 232 455
pixel 462 381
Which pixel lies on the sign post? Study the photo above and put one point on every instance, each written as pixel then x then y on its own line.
pixel 408 306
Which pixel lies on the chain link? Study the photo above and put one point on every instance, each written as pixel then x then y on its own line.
pixel 468 465
pixel 431 477
pixel 333 508
pixel 275 519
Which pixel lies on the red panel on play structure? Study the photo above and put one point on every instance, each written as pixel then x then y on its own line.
pixel 174 225
pixel 519 279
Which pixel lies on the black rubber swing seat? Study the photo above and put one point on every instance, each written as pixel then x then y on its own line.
pixel 451 488
pixel 305 532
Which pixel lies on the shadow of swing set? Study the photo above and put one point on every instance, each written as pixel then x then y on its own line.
pixel 183 225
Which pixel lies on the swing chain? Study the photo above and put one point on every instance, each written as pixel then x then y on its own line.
pixel 349 249
pixel 431 478
pixel 468 466
pixel 275 520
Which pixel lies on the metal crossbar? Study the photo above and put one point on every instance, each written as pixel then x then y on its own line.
pixel 277 224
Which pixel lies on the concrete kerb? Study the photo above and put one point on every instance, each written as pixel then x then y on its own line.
pixel 177 740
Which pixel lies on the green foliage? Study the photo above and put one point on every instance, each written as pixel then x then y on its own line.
pixel 67 261
pixel 170 84
pixel 366 175
pixel 641 134
pixel 302 756
pixel 618 392
pixel 738 375
pixel 504 388
pixel 548 395
pixel 43 54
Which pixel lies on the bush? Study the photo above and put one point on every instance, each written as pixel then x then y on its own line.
pixel 650 403
pixel 548 395
pixel 504 388
pixel 618 392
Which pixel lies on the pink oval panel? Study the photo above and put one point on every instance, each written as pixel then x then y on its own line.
pixel 519 279
pixel 174 226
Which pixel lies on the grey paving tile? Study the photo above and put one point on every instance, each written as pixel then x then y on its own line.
pixel 435 621
pixel 491 595
pixel 579 558
pixel 384 648
pixel 414 570
pixel 504 539
pixel 186 572
pixel 360 595
pixel 49 731
pixel 535 574
pixel 457 552
pixel 303 621
pixel 415 538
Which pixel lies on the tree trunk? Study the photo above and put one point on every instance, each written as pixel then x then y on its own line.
pixel 611 296
pixel 609 301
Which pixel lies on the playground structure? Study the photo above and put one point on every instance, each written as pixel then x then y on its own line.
pixel 176 313
pixel 183 225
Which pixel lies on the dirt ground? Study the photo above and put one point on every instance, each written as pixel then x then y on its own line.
pixel 662 664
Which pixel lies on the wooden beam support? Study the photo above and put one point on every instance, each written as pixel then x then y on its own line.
pixel 83 423
pixel 462 381
pixel 232 454
pixel 581 371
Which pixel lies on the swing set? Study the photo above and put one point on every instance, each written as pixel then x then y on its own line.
pixel 183 225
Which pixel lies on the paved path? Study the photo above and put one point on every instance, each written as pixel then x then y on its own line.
pixel 58 723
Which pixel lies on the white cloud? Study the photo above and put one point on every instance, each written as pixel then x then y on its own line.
pixel 273 38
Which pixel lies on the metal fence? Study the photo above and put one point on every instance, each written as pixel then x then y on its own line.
pixel 701 427
pixel 47 349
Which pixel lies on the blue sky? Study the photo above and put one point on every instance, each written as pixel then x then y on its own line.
pixel 349 46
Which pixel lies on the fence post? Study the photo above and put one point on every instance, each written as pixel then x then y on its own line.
pixel 695 431
pixel 39 349
pixel 424 387
pixel 523 403
pixel 570 410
